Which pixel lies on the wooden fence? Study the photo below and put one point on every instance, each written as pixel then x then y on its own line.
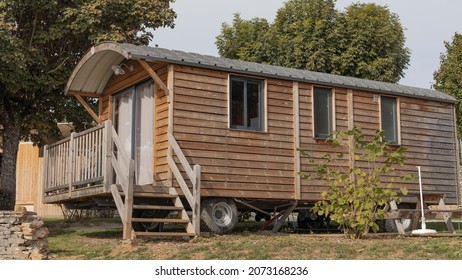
pixel 75 161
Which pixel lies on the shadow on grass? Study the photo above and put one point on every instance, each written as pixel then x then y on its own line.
pixel 102 233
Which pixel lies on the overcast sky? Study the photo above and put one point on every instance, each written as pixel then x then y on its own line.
pixel 428 24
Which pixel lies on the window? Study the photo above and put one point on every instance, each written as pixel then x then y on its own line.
pixel 322 107
pixel 389 119
pixel 246 104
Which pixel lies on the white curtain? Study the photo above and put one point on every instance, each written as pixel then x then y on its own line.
pixel 144 134
pixel 124 119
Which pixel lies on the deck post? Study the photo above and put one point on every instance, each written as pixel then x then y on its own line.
pixel 127 233
pixel 107 156
pixel 45 172
pixel 71 162
pixel 197 199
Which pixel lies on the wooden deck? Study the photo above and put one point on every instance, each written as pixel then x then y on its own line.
pixel 93 163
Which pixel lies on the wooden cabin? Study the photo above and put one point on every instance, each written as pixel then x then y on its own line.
pixel 182 131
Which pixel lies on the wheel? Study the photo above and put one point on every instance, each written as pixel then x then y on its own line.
pixel 218 215
pixel 149 226
pixel 308 220
pixel 390 225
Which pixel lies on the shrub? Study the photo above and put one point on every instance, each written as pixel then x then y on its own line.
pixel 356 196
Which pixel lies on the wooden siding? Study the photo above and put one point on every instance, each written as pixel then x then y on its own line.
pixel 137 76
pixel 427 130
pixel 235 163
pixel 311 189
pixel 246 164
pixel 29 183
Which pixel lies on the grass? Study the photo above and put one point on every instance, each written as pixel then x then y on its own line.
pixel 101 240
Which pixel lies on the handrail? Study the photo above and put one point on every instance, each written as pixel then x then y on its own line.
pixel 74 161
pixel 193 174
pixel 125 175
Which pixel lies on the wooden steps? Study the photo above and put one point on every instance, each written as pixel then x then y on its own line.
pixel 157 207
pixel 161 220
pixel 153 195
pixel 175 234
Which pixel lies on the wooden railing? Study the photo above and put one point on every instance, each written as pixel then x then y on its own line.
pixel 91 157
pixel 193 174
pixel 75 161
pixel 124 168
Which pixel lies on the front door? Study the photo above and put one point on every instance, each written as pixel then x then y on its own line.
pixel 133 119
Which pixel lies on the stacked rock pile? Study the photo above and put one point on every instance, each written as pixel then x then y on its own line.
pixel 23 236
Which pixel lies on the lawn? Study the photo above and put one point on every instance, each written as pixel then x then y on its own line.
pixel 101 239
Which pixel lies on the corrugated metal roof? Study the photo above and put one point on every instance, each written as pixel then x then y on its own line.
pixel 94 71
pixel 237 66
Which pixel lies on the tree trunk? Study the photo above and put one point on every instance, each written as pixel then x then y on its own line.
pixel 11 137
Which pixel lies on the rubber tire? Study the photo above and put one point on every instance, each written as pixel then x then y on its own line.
pixel 218 215
pixel 390 225
pixel 308 220
pixel 150 227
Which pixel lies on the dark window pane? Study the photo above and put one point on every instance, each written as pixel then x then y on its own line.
pixel 322 112
pixel 253 106
pixel 389 119
pixel 237 103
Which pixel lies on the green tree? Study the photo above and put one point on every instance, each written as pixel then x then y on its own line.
pixel 364 41
pixel 356 196
pixel 301 35
pixel 370 44
pixel 41 42
pixel 448 78
pixel 244 39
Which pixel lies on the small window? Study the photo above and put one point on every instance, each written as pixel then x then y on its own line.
pixel 246 104
pixel 322 106
pixel 389 119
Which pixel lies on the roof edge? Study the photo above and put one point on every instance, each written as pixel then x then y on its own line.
pixel 104 46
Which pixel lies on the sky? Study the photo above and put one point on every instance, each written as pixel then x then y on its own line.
pixel 428 24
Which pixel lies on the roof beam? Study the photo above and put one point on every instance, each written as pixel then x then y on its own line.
pixel 154 76
pixel 88 108
pixel 82 93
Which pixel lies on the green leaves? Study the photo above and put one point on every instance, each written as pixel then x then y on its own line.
pixel 42 41
pixel 448 78
pixel 355 197
pixel 364 41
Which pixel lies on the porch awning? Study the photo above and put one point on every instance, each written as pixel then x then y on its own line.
pixel 93 72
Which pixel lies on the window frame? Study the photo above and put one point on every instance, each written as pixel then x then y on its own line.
pixel 332 115
pixel 262 110
pixel 397 140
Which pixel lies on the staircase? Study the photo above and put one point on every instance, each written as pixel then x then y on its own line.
pixel 151 205
pixel 182 219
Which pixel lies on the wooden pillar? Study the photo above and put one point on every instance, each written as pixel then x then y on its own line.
pixel 107 155
pixel 71 162
pixel 170 100
pixel 296 120
pixel 197 199
pixel 458 156
pixel 351 126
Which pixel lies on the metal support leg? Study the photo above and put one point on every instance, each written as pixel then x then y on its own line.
pixel 282 218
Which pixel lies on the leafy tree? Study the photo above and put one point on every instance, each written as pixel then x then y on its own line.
pixel 370 44
pixel 356 196
pixel 301 35
pixel 364 41
pixel 42 40
pixel 448 78
pixel 249 36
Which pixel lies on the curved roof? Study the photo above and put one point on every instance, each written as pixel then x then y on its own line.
pixel 94 71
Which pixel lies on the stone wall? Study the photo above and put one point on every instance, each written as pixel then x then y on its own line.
pixel 22 236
